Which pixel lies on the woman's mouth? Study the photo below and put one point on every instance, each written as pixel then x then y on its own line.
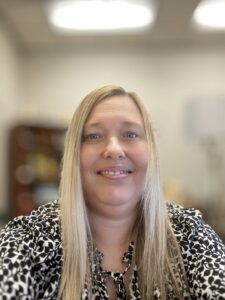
pixel 115 172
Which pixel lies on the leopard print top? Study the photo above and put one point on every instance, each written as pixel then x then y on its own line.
pixel 31 257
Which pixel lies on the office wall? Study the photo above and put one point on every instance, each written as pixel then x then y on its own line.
pixel 10 95
pixel 165 76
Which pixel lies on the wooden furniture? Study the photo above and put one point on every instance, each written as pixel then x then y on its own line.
pixel 35 153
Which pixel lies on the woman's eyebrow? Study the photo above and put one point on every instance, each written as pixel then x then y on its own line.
pixel 126 123
pixel 132 123
pixel 97 124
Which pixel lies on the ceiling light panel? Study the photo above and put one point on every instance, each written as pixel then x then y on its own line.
pixel 100 15
pixel 210 14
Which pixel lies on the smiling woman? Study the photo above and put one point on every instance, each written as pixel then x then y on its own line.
pixel 111 235
pixel 114 156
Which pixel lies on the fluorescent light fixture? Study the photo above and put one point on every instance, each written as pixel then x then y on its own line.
pixel 100 15
pixel 210 14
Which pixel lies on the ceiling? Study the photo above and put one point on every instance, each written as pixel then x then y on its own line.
pixel 27 22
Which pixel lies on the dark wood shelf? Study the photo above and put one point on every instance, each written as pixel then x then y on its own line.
pixel 35 154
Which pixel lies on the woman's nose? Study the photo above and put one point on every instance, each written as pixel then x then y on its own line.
pixel 113 149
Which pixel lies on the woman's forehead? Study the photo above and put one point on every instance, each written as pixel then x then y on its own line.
pixel 121 107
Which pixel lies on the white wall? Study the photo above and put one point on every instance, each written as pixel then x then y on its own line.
pixel 10 94
pixel 165 77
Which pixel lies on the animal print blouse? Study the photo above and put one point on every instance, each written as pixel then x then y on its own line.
pixel 31 257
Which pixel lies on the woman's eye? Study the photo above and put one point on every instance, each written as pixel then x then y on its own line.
pixel 131 135
pixel 92 137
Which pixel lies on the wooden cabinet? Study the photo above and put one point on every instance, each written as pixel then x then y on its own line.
pixel 35 154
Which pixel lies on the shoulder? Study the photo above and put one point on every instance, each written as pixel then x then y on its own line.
pixel 189 226
pixel 38 231
pixel 31 252
pixel 45 217
pixel 184 221
pixel 202 250
pixel 49 211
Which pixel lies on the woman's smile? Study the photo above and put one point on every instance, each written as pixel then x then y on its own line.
pixel 115 173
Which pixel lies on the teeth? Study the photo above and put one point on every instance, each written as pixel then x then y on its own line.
pixel 113 173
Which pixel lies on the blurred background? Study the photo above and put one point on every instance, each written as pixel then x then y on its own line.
pixel 176 67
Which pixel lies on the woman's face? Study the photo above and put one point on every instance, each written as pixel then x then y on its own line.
pixel 114 157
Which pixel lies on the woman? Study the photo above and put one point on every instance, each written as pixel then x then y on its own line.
pixel 111 236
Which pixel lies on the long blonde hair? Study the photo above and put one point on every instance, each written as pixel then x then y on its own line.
pixel 156 254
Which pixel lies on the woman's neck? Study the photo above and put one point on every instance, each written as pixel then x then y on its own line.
pixel 112 237
pixel 113 233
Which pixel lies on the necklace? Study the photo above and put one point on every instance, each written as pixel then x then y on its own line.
pixel 100 276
